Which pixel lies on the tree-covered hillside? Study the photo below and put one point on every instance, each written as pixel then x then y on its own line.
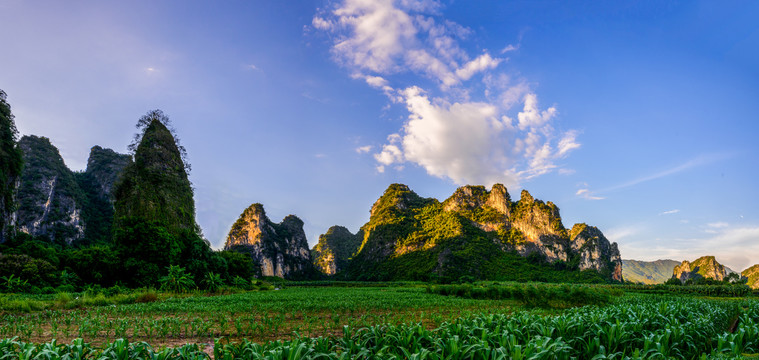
pixel 11 163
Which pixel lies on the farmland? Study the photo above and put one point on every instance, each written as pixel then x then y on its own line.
pixel 387 322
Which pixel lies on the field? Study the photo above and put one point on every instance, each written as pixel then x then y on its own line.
pixel 388 322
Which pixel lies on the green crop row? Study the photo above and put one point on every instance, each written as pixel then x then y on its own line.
pixel 532 295
pixel 118 350
pixel 734 290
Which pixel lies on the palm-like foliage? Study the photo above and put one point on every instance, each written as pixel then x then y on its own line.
pixel 177 280
pixel 213 282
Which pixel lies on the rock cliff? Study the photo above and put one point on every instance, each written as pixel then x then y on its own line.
pixel 334 249
pixel 542 228
pixel 595 251
pixel 705 266
pixel 474 232
pixel 752 274
pixel 105 166
pixel 49 197
pixel 279 249
pixel 62 205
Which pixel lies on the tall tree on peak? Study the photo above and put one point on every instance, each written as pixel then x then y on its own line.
pixel 10 165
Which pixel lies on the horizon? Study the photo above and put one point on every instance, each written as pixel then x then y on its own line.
pixel 636 118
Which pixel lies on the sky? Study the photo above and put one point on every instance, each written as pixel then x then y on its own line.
pixel 637 117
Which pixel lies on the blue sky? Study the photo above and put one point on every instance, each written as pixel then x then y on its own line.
pixel 637 117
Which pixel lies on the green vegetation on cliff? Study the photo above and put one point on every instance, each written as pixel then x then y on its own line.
pixel 156 186
pixel 154 208
pixel 50 200
pixel 11 164
pixel 412 238
pixel 334 249
pixel 752 276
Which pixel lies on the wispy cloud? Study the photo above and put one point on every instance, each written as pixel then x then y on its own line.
pixel 670 212
pixel 718 225
pixel 619 233
pixel 455 129
pixel 586 194
pixel 364 149
pixel 701 160
pixel 698 161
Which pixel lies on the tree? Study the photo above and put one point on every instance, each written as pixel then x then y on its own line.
pixel 10 166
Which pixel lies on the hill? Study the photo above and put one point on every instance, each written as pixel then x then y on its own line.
pixel 478 234
pixel 648 272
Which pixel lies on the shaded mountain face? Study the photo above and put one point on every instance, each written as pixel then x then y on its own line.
pixel 648 272
pixel 155 186
pixel 705 266
pixel 105 166
pixel 752 274
pixel 476 233
pixel 279 249
pixel 334 249
pixel 11 163
pixel 49 197
pixel 62 205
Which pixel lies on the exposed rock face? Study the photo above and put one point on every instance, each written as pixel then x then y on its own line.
pixel 705 266
pixel 50 200
pixel 105 165
pixel 279 249
pixel 648 272
pixel 595 251
pixel 752 274
pixel 334 249
pixel 473 223
pixel 542 228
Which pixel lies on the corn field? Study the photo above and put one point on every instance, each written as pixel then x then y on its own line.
pixel 636 327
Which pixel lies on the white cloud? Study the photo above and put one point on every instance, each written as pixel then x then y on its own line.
pixel 565 171
pixel 531 116
pixel 586 194
pixel 321 23
pixel 459 130
pixel 568 143
pixel 509 48
pixel 364 149
pixel 379 33
pixel 481 63
pixel 670 212
pixel 460 141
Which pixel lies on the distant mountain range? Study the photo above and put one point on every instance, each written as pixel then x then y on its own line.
pixel 648 272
